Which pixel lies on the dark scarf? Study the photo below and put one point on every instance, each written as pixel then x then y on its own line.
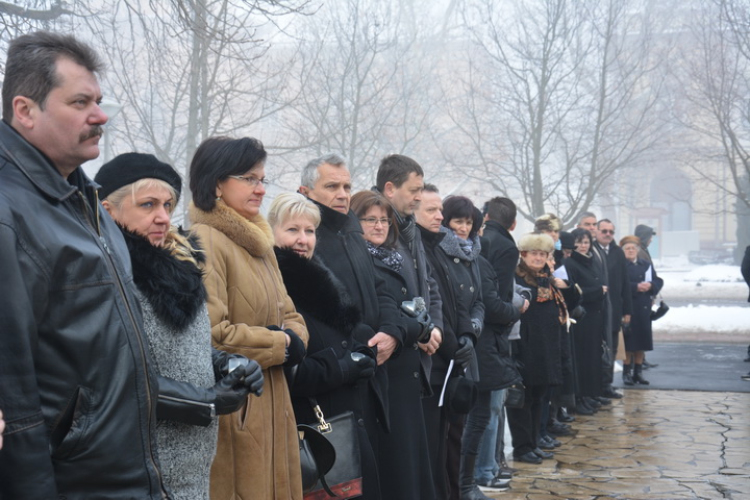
pixel 173 287
pixel 454 246
pixel 388 256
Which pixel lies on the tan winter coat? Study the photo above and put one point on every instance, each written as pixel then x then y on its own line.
pixel 258 452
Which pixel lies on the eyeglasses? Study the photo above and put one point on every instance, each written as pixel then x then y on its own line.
pixel 607 231
pixel 251 180
pixel 372 221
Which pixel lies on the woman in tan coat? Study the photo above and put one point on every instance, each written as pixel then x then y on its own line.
pixel 251 314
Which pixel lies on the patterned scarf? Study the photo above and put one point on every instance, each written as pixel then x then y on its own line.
pixel 389 257
pixel 546 290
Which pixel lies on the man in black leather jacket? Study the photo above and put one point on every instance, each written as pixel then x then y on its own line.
pixel 78 395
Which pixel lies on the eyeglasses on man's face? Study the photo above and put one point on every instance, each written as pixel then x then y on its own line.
pixel 607 231
pixel 372 221
pixel 251 180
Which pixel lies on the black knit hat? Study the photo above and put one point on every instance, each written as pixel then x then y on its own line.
pixel 128 168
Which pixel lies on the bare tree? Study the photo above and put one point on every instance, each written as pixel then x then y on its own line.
pixel 560 97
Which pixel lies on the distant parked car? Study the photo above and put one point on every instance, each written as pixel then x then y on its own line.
pixel 717 256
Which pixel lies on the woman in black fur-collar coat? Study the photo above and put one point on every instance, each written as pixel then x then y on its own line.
pixel 330 373
pixel 140 192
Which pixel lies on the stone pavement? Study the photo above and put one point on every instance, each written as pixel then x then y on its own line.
pixel 659 445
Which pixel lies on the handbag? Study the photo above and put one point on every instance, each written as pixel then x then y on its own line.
pixel 606 360
pixel 660 311
pixel 316 455
pixel 344 479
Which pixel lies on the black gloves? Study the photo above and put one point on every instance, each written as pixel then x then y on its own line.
pixel 355 365
pixel 229 394
pixel 578 313
pixel 252 373
pixel 424 320
pixel 464 352
pixel 295 351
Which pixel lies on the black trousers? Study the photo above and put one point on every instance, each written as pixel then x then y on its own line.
pixel 524 422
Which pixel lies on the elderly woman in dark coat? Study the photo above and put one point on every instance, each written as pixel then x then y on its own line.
pixel 587 332
pixel 140 193
pixel 404 461
pixel 644 285
pixel 539 348
pixel 330 373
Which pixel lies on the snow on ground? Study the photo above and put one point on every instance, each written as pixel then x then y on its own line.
pixel 712 298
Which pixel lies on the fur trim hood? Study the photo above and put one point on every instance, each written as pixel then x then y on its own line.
pixel 173 287
pixel 316 291
pixel 254 235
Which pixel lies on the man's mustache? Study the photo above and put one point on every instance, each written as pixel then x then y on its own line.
pixel 96 131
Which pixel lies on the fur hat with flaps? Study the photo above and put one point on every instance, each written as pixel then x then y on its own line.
pixel 547 222
pixel 635 240
pixel 536 241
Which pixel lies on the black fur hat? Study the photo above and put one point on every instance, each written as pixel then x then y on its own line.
pixel 128 168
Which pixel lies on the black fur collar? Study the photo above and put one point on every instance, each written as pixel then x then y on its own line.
pixel 173 287
pixel 316 291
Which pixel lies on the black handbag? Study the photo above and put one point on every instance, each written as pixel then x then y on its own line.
pixel 660 311
pixel 344 479
pixel 316 455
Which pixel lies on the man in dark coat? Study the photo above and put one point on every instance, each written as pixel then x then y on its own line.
pixel 619 292
pixel 745 268
pixel 646 234
pixel 78 394
pixel 501 254
pixel 327 182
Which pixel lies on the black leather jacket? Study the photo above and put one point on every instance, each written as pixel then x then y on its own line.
pixel 76 389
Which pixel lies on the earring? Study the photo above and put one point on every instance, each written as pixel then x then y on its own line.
pixel 218 198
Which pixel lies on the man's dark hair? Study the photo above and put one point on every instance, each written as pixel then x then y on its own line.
pixel 430 188
pixel 216 159
pixel 396 169
pixel 461 207
pixel 501 210
pixel 31 66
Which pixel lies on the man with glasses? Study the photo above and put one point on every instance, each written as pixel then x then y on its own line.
pixel 619 292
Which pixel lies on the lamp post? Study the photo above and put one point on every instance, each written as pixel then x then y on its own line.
pixel 111 109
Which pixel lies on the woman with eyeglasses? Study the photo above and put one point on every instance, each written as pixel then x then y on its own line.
pixel 404 460
pixel 251 314
pixel 584 274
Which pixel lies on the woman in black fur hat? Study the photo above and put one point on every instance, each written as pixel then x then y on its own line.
pixel 140 193
pixel 336 369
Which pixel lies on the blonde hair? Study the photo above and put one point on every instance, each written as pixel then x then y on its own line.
pixel 178 245
pixel 289 205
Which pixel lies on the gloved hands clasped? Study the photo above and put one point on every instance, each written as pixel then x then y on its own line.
pixel 355 366
pixel 295 351
pixel 464 353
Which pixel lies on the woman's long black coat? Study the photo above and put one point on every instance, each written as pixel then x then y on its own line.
pixel 587 333
pixel 539 349
pixel 405 472
pixel 639 337
pixel 332 320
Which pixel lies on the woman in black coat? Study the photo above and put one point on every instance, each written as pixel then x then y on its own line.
pixel 587 332
pixel 404 459
pixel 335 370
pixel 644 285
pixel 539 349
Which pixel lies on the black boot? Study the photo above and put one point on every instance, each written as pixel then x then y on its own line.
pixel 467 486
pixel 627 374
pixel 638 375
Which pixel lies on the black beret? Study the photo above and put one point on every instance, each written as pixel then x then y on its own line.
pixel 127 168
pixel 567 240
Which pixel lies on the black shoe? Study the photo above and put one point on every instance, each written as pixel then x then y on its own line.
pixel 592 402
pixel 544 443
pixel 604 401
pixel 495 484
pixel 544 455
pixel 647 365
pixel 583 409
pixel 529 458
pixel 611 393
pixel 559 430
pixel 746 377
pixel 563 416
pixel 638 376
pixel 506 471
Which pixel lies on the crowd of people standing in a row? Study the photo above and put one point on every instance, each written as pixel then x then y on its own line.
pixel 140 360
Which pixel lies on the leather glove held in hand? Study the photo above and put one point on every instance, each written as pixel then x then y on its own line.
pixel 229 394
pixel 295 350
pixel 252 377
pixel 356 366
pixel 463 354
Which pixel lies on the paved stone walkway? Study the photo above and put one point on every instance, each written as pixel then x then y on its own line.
pixel 659 445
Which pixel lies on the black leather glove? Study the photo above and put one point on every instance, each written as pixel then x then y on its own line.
pixel 221 361
pixel 252 377
pixel 295 351
pixel 230 393
pixel 355 365
pixel 464 352
pixel 476 325
pixel 578 313
pixel 425 322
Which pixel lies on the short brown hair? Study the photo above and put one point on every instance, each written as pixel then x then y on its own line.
pixel 364 200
